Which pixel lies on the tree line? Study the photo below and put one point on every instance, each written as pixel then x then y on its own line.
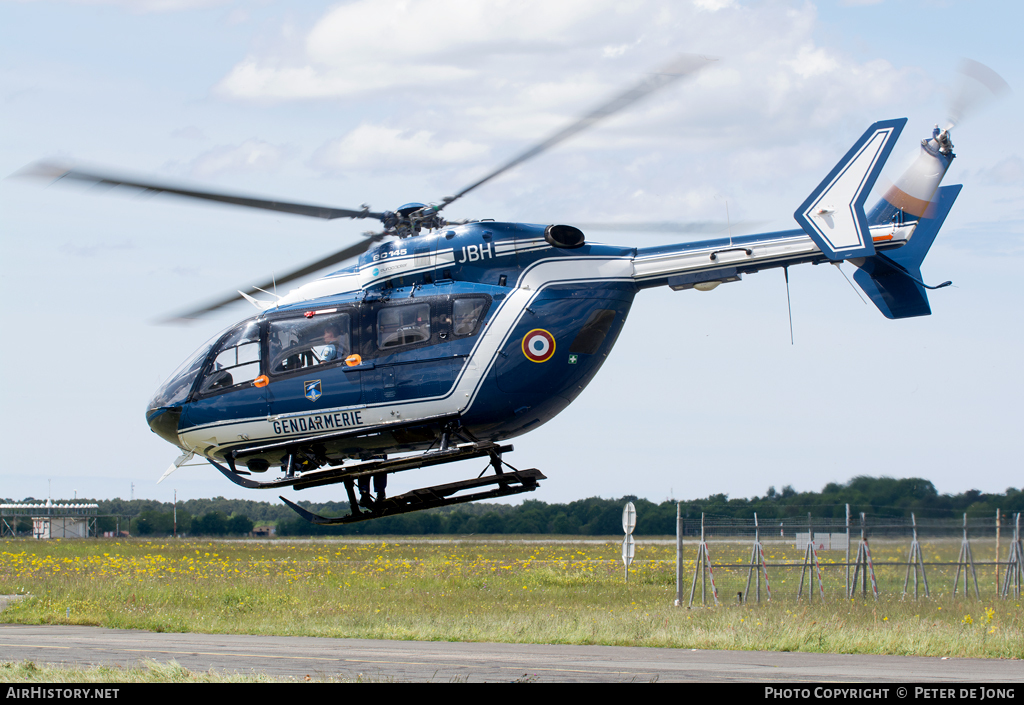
pixel 877 497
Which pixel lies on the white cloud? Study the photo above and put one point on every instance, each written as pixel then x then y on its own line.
pixel 383 148
pixel 522 67
pixel 504 75
pixel 154 6
pixel 811 62
pixel 713 5
pixel 374 45
pixel 1007 172
pixel 251 155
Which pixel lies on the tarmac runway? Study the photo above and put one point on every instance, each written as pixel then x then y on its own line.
pixel 425 661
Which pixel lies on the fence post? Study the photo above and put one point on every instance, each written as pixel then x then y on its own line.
pixel 757 564
pixel 915 562
pixel 848 550
pixel 1014 563
pixel 998 522
pixel 810 561
pixel 679 556
pixel 703 561
pixel 864 561
pixel 965 560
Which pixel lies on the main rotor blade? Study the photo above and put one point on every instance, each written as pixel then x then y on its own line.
pixel 679 68
pixel 59 172
pixel 335 258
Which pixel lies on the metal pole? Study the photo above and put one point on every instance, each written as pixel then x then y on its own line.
pixel 997 550
pixel 754 567
pixel 704 559
pixel 974 573
pixel 915 562
pixel 848 550
pixel 1015 562
pixel 760 562
pixel 863 547
pixel 916 550
pixel 679 556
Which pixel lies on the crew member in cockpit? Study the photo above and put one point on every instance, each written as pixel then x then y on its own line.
pixel 334 343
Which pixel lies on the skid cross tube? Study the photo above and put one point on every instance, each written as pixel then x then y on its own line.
pixel 509 483
pixel 329 476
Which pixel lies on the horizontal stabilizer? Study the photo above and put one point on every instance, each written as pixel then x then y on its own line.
pixel 891 289
pixel 833 215
pixel 893 280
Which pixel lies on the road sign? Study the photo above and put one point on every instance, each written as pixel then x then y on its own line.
pixel 628 550
pixel 629 518
pixel 628 545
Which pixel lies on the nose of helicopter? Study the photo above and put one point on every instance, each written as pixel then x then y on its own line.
pixel 163 421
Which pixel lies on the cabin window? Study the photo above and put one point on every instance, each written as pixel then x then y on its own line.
pixel 466 315
pixel 300 343
pixel 593 332
pixel 403 325
pixel 237 359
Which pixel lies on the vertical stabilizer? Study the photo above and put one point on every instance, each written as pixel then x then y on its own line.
pixel 833 215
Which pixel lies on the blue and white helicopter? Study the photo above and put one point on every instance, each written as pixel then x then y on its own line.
pixel 447 339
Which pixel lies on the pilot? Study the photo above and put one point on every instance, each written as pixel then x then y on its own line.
pixel 335 344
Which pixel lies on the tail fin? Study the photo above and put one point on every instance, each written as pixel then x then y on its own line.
pixel 893 280
pixel 833 215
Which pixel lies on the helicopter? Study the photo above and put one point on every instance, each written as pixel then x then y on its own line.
pixel 446 339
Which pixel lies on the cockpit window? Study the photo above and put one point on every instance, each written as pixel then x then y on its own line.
pixel 466 314
pixel 298 343
pixel 237 359
pixel 403 325
pixel 175 390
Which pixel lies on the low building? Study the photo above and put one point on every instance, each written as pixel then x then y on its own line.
pixel 51 521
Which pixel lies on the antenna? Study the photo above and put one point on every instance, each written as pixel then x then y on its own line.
pixel 728 222
pixel 789 305
pixel 839 266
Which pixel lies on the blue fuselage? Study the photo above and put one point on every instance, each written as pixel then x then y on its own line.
pixel 490 323
pixel 496 325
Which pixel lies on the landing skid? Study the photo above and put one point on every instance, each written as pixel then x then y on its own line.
pixel 347 473
pixel 509 483
pixel 368 507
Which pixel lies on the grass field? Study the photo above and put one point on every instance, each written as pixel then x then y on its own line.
pixel 147 672
pixel 555 592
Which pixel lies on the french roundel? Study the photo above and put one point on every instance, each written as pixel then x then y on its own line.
pixel 538 345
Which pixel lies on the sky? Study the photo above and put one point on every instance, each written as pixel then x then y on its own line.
pixel 389 101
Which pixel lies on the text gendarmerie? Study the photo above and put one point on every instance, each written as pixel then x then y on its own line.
pixel 319 422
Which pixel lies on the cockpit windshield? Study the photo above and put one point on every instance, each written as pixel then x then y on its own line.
pixel 175 390
pixel 237 359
